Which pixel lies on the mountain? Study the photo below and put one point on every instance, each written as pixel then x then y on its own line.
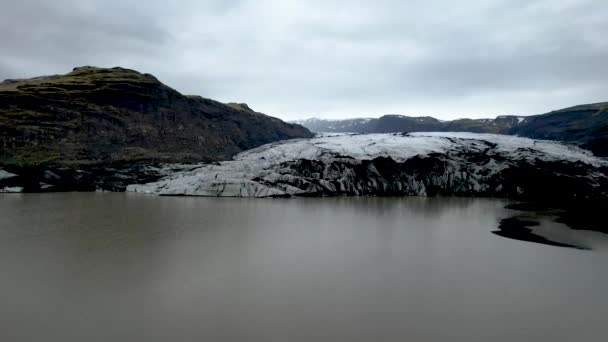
pixel 427 164
pixel 585 125
pixel 95 114
pixel 99 117
pixel 393 123
pixel 333 126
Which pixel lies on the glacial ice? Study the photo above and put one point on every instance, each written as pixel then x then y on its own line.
pixel 6 174
pixel 356 164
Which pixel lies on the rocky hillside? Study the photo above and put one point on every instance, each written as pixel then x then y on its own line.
pixel 97 128
pixel 93 115
pixel 586 125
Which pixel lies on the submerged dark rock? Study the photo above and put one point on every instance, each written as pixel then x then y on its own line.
pixel 516 228
pixel 585 215
pixel 576 214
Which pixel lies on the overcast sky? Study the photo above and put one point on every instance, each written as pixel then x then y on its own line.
pixel 329 59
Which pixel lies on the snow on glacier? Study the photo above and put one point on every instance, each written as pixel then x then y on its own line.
pixel 257 172
pixel 401 147
pixel 6 174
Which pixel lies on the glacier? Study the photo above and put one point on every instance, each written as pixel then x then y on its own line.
pixel 397 164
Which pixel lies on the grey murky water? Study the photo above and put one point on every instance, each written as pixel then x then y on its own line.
pixel 124 267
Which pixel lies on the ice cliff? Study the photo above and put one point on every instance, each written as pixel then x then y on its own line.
pixel 424 164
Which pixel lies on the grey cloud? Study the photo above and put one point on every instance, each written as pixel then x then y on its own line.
pixel 54 36
pixel 330 58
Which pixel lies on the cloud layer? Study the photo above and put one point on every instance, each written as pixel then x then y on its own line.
pixel 295 59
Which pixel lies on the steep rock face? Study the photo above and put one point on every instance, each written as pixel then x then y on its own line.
pixel 400 164
pixel 96 115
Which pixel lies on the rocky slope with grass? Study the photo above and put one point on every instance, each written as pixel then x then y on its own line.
pixel 64 132
pixel 586 125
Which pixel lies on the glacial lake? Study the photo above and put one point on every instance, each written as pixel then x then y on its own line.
pixel 129 267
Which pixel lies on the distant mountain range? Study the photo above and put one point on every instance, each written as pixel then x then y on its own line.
pixel 585 125
pixel 393 123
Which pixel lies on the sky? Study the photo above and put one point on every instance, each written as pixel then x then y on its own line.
pixel 329 59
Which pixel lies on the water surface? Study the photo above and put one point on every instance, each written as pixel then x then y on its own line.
pixel 127 267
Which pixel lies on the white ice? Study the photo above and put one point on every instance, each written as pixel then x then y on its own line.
pixel 253 173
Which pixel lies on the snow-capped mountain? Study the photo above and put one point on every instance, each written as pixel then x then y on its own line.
pixel 585 125
pixel 333 126
pixel 399 164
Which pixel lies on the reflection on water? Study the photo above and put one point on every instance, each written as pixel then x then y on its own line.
pixel 126 267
